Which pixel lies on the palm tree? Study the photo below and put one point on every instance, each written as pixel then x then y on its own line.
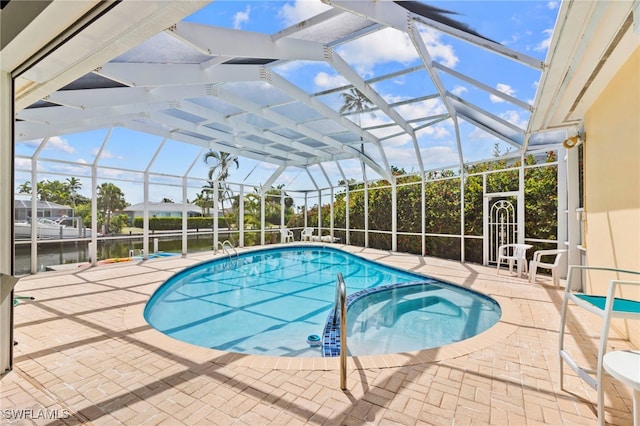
pixel 222 162
pixel 203 200
pixel 73 185
pixel 110 199
pixel 355 101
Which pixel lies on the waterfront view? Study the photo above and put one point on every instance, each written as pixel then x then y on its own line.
pixel 52 254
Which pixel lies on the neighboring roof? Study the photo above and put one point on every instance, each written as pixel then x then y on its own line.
pixel 163 207
pixel 41 205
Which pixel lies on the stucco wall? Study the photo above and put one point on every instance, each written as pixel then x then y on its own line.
pixel 612 182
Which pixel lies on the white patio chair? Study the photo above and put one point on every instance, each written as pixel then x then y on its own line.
pixel 286 235
pixel 537 262
pixel 306 234
pixel 514 253
pixel 606 307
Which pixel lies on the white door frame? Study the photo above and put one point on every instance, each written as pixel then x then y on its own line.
pixel 486 231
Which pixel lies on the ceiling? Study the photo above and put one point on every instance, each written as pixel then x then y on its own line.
pixel 140 66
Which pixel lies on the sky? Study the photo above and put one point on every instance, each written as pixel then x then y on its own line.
pixel 525 26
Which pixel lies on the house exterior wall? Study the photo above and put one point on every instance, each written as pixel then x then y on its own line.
pixel 612 183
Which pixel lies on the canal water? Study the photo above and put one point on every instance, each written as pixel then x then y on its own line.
pixel 77 252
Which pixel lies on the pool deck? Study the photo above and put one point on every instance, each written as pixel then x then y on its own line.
pixel 85 355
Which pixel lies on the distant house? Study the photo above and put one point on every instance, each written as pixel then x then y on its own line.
pixel 43 209
pixel 161 210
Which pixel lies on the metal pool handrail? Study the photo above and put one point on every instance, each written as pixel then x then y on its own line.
pixel 341 303
pixel 226 243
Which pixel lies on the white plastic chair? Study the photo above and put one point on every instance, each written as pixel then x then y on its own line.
pixel 606 307
pixel 514 253
pixel 537 262
pixel 306 234
pixel 286 235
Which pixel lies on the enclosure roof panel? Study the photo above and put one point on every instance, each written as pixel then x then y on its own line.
pixel 275 82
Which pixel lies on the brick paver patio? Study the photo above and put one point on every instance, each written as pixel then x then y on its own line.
pixel 86 356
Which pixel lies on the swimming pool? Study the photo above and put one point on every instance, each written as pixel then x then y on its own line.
pixel 411 317
pixel 264 302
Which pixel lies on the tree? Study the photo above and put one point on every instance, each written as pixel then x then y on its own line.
pixel 203 200
pixel 54 191
pixel 110 200
pixel 167 200
pixel 222 162
pixel 25 188
pixel 355 101
pixel 73 185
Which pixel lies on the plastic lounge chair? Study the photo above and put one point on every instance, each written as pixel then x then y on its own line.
pixel 536 263
pixel 286 235
pixel 606 307
pixel 306 234
pixel 514 253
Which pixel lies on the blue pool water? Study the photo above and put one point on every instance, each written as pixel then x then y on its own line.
pixel 402 318
pixel 264 302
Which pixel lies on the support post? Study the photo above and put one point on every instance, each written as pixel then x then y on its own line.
pixel 262 219
pixel 185 216
pixel 319 213
pixel 145 218
pixel 241 217
pixel 7 282
pixel 521 218
pixel 394 214
pixel 462 241
pixel 332 201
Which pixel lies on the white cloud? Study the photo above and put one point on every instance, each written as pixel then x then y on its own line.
pixel 514 39
pixel 55 143
pixel 300 10
pixel 553 5
pixel 439 50
pixel 390 45
pixel 404 155
pixel 439 155
pixel 459 90
pixel 478 133
pixel 422 109
pixel 436 132
pixel 326 81
pixel 241 17
pixel 513 117
pixel 77 171
pixel 32 143
pixel 23 163
pixel 544 44
pixel 504 88
pixel 59 144
pixel 106 154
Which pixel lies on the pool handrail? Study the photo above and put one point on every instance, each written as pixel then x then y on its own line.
pixel 341 303
pixel 226 243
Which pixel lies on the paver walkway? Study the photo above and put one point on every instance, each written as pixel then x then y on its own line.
pixel 86 356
